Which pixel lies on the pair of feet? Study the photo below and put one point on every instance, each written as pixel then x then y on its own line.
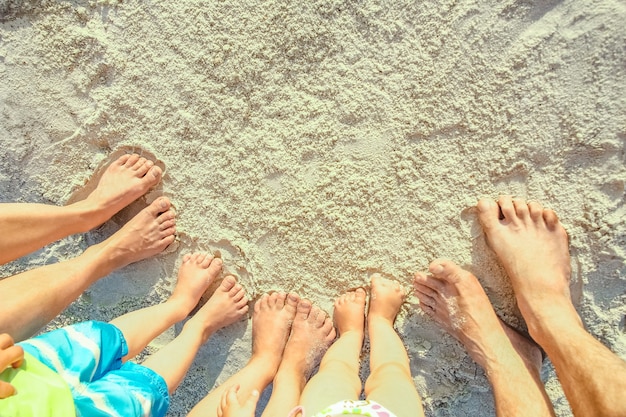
pixel 148 233
pixel 532 245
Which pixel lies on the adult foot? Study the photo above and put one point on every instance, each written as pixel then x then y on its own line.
pixel 312 333
pixel 147 234
pixel 532 245
pixel 126 179
pixel 271 324
pixel 196 274
pixel 386 298
pixel 227 305
pixel 455 299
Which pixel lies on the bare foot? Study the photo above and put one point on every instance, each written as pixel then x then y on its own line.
pixel 311 334
pixel 455 299
pixel 349 314
pixel 532 245
pixel 195 275
pixel 125 180
pixel 145 235
pixel 386 298
pixel 271 324
pixel 227 305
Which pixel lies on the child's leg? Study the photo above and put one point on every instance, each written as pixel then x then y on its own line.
pixel 28 227
pixel 33 298
pixel 390 382
pixel 271 322
pixel 338 375
pixel 140 327
pixel 227 305
pixel 311 334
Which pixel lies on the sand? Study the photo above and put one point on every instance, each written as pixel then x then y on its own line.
pixel 317 143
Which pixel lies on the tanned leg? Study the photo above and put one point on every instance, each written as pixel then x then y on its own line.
pixel 455 299
pixel 532 245
pixel 31 299
pixel 28 227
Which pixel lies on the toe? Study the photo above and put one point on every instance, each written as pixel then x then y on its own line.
pixel 154 173
pixel 303 309
pixel 536 210
pixel 262 303
pixel 521 208
pixel 488 213
pixel 281 298
pixel 319 315
pixel 143 169
pixel 213 265
pixel 291 303
pixel 186 258
pixel 228 283
pixel 447 271
pixel 158 206
pixel 139 164
pixel 551 219
pixel 506 207
pixel 131 160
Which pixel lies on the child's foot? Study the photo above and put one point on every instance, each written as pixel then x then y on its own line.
pixel 196 274
pixel 386 298
pixel 532 245
pixel 455 299
pixel 311 334
pixel 145 235
pixel 227 305
pixel 271 323
pixel 125 180
pixel 349 314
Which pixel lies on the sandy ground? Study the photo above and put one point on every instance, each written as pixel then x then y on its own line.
pixel 316 143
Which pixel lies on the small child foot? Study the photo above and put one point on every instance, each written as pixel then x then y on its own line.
pixel 349 314
pixel 196 274
pixel 386 298
pixel 227 305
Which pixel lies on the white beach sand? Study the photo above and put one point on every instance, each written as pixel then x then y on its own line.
pixel 316 143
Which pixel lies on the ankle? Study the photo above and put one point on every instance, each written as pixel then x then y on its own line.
pixel 550 320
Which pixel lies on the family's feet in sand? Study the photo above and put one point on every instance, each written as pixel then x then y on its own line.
pixel 312 332
pixel 532 245
pixel 125 180
pixel 147 234
pixel 197 272
pixel 455 299
pixel 227 305
pixel 272 319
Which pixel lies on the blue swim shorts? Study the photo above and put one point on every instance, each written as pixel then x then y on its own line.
pixel 89 358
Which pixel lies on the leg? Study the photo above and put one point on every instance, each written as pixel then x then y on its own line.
pixel 140 327
pixel 227 305
pixel 532 245
pixel 271 322
pixel 33 298
pixel 311 334
pixel 390 382
pixel 455 299
pixel 28 227
pixel 338 375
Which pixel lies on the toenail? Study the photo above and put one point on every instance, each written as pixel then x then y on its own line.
pixel 437 269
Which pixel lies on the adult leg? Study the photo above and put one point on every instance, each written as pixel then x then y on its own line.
pixel 338 376
pixel 140 327
pixel 311 334
pixel 390 382
pixel 455 299
pixel 227 305
pixel 31 299
pixel 28 227
pixel 271 323
pixel 532 245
